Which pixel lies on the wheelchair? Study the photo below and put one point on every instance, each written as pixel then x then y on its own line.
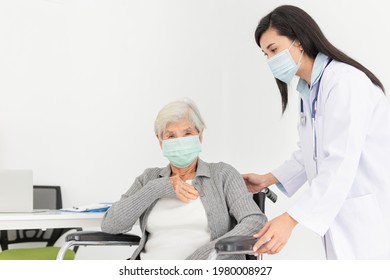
pixel 232 245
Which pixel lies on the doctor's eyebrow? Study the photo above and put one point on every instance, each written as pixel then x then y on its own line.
pixel 270 45
pixel 267 48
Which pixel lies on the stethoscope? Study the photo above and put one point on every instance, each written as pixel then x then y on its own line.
pixel 313 116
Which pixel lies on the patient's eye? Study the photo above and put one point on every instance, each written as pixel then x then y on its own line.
pixel 168 135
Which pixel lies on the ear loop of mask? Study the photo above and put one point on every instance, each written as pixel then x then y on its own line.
pixel 300 58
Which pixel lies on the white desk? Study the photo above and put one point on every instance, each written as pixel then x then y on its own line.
pixel 49 219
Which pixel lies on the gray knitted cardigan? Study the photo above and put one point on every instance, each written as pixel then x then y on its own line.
pixel 230 208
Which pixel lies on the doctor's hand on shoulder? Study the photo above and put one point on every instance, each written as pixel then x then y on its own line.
pixel 256 183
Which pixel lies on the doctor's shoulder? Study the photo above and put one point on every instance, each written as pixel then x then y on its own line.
pixel 337 71
pixel 345 76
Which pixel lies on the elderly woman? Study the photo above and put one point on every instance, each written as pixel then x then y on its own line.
pixel 186 207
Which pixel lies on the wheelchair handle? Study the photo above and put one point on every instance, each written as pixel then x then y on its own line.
pixel 270 194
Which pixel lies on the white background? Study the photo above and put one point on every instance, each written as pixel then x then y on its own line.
pixel 81 83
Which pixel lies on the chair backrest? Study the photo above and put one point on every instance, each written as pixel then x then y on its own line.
pixel 45 197
pixel 259 198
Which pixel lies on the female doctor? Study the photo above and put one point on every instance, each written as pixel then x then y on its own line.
pixel 344 149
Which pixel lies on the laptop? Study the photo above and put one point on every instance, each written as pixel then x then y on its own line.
pixel 16 191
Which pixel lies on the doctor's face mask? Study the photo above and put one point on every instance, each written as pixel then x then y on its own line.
pixel 283 66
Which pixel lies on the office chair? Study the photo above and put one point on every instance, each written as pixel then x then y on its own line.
pixel 45 197
pixel 226 246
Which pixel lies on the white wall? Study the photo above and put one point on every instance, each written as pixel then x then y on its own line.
pixel 82 81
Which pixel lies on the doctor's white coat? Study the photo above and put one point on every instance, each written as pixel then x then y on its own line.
pixel 348 201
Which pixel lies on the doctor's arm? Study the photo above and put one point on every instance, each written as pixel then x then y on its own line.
pixel 291 175
pixel 288 177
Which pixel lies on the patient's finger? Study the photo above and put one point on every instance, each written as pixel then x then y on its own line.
pixel 191 196
pixel 190 193
pixel 182 197
pixel 190 189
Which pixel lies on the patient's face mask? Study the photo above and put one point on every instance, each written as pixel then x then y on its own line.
pixel 181 152
pixel 283 66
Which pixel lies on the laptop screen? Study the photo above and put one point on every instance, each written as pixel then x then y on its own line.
pixel 16 191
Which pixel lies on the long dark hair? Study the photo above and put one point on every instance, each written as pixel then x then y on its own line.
pixel 296 24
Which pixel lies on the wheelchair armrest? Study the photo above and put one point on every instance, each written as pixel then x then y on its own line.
pixel 235 245
pixel 99 236
pixel 96 238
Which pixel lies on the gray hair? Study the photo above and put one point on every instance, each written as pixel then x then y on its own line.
pixel 176 111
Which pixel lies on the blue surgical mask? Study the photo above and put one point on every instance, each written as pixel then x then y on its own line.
pixel 283 66
pixel 181 152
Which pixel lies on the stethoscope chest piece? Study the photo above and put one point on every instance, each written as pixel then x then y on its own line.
pixel 302 115
pixel 303 119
